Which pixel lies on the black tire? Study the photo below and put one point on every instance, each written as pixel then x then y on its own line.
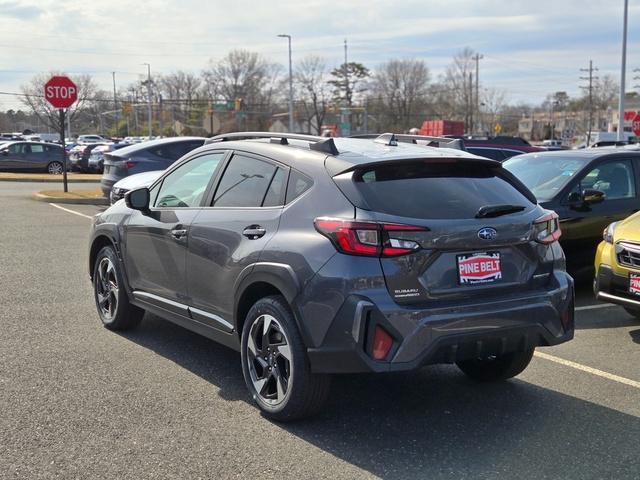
pixel 55 168
pixel 306 392
pixel 496 368
pixel 112 302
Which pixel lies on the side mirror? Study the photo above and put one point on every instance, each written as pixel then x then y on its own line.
pixel 575 197
pixel 138 199
pixel 591 196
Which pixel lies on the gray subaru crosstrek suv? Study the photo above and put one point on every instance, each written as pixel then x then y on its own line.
pixel 315 256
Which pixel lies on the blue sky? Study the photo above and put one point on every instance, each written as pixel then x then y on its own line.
pixel 530 48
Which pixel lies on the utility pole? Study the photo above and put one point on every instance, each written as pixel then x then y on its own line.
pixel 590 78
pixel 149 98
pixel 288 37
pixel 115 101
pixel 345 117
pixel 477 57
pixel 470 103
pixel 623 70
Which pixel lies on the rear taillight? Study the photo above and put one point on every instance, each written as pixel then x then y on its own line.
pixel 129 164
pixel 371 239
pixel 547 228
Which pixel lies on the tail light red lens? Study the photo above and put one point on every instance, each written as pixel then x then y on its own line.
pixel 547 228
pixel 129 164
pixel 382 343
pixel 370 239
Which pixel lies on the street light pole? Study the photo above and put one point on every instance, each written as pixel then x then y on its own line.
pixel 288 37
pixel 115 102
pixel 149 98
pixel 622 73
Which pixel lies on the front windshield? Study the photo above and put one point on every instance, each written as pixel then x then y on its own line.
pixel 545 175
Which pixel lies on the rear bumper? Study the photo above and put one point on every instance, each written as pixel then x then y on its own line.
pixel 106 184
pixel 446 334
pixel 613 288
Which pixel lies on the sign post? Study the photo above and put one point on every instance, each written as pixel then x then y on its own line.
pixel 61 93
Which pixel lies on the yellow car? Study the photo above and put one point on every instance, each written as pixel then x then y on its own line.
pixel 617 265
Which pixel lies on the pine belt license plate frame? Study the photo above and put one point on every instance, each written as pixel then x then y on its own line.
pixel 479 268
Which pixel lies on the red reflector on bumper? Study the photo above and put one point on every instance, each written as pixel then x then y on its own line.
pixel 382 343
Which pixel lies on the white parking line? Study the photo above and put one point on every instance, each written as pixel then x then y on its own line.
pixel 595 307
pixel 71 211
pixel 593 371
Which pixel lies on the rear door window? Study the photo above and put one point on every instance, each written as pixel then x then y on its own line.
pixel 436 190
pixel 245 182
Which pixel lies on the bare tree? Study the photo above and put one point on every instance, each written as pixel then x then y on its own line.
pixel 493 101
pixel 242 74
pixel 313 91
pixel 400 87
pixel 88 98
pixel 453 97
pixel 180 86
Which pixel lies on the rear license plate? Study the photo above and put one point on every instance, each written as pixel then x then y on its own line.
pixel 634 283
pixel 480 267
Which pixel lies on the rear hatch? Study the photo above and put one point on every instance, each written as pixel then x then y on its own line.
pixel 451 229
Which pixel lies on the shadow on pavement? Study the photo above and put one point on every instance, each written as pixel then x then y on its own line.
pixel 434 423
pixel 635 335
pixel 606 318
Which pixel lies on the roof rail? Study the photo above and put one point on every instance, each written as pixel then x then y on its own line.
pixel 392 140
pixel 316 143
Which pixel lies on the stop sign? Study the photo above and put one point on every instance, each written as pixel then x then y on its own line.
pixel 60 92
pixel 635 125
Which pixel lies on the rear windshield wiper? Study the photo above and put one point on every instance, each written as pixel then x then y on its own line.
pixel 491 211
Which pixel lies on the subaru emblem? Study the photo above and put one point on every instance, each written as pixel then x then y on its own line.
pixel 487 233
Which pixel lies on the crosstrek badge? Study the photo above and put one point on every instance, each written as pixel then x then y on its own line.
pixel 634 284
pixel 478 268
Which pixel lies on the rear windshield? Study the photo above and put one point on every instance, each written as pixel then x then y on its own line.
pixel 436 190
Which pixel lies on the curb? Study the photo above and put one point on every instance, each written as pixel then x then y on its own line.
pixel 78 201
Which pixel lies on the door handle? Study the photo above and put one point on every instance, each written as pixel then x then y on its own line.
pixel 253 232
pixel 178 233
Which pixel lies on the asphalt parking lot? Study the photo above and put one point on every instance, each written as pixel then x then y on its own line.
pixel 78 401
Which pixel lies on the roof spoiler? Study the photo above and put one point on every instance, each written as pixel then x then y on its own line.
pixel 316 143
pixel 392 139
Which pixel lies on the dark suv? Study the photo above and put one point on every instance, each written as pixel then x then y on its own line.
pixel 315 256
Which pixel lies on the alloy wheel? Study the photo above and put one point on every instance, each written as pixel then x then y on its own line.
pixel 269 359
pixel 107 289
pixel 55 168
